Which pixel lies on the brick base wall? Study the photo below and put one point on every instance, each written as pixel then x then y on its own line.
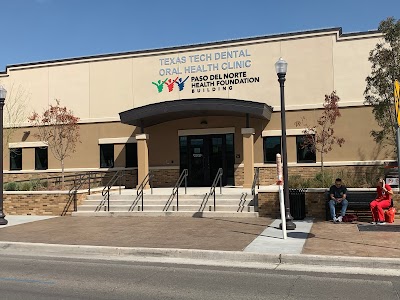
pixel 268 203
pixel 165 177
pixel 239 176
pixel 365 175
pixel 39 204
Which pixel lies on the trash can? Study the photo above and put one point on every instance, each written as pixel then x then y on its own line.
pixel 297 199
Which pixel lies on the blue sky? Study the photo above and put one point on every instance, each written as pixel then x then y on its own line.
pixel 37 30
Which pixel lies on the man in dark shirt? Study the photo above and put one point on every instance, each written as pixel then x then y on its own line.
pixel 337 194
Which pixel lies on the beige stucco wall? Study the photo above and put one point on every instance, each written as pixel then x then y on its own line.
pixel 352 67
pixel 354 126
pixel 100 88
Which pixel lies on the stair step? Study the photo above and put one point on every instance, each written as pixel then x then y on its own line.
pixel 166 197
pixel 205 214
pixel 191 208
pixel 164 202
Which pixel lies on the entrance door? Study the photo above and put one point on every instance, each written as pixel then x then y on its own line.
pixel 198 161
pixel 203 155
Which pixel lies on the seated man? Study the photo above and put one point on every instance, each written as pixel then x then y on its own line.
pixel 382 201
pixel 337 194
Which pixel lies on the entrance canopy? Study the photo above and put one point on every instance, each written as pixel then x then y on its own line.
pixel 157 113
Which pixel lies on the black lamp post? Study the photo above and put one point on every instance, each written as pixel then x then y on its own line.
pixel 281 68
pixel 3 94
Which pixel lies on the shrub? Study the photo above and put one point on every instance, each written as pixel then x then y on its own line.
pixel 25 186
pixel 37 184
pixel 10 186
pixel 32 185
pixel 361 178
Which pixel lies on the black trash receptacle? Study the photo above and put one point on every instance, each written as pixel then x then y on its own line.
pixel 297 199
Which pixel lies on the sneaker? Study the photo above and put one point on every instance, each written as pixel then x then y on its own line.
pixel 374 223
pixel 335 220
pixel 381 223
pixel 340 219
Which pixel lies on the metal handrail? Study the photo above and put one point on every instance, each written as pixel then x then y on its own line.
pixel 175 190
pixel 242 202
pixel 139 193
pixel 218 177
pixel 79 180
pixel 256 181
pixel 106 190
pixel 57 179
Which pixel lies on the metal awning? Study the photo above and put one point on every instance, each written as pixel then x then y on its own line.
pixel 157 113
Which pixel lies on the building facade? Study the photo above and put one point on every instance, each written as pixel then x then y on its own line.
pixel 201 107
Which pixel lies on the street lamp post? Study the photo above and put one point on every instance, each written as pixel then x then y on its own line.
pixel 281 68
pixel 3 93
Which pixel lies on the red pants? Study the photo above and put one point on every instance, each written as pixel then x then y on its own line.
pixel 377 208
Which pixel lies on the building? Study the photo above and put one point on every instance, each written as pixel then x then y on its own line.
pixel 201 107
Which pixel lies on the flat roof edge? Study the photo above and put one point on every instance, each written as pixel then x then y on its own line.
pixel 337 30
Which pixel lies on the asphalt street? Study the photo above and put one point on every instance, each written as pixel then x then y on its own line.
pixel 23 277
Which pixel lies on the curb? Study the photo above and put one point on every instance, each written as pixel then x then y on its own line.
pixel 127 253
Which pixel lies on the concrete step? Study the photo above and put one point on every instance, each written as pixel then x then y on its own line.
pixel 205 214
pixel 163 202
pixel 157 197
pixel 151 208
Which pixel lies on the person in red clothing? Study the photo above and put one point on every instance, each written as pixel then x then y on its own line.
pixel 383 201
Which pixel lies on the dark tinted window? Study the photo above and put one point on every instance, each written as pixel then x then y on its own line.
pixel 272 146
pixel 41 158
pixel 304 153
pixel 16 159
pixel 230 159
pixel 131 155
pixel 183 153
pixel 107 156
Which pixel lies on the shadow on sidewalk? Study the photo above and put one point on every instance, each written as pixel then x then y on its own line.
pixel 295 235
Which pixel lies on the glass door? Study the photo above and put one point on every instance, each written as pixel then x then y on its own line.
pixel 203 155
pixel 198 161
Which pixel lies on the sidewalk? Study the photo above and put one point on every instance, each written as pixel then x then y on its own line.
pixel 256 235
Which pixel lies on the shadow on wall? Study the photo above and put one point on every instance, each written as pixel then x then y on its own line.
pixel 379 151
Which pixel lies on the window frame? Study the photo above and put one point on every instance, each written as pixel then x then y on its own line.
pixel 264 148
pixel 14 151
pixel 135 161
pixel 104 164
pixel 298 147
pixel 45 164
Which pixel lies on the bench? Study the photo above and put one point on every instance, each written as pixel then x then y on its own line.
pixel 358 204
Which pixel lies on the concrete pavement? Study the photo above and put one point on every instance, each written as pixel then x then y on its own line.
pixel 271 239
pixel 16 220
pixel 249 242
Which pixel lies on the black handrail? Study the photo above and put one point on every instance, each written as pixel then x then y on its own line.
pixel 79 180
pixel 139 193
pixel 218 177
pixel 242 202
pixel 56 180
pixel 256 181
pixel 175 190
pixel 106 190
